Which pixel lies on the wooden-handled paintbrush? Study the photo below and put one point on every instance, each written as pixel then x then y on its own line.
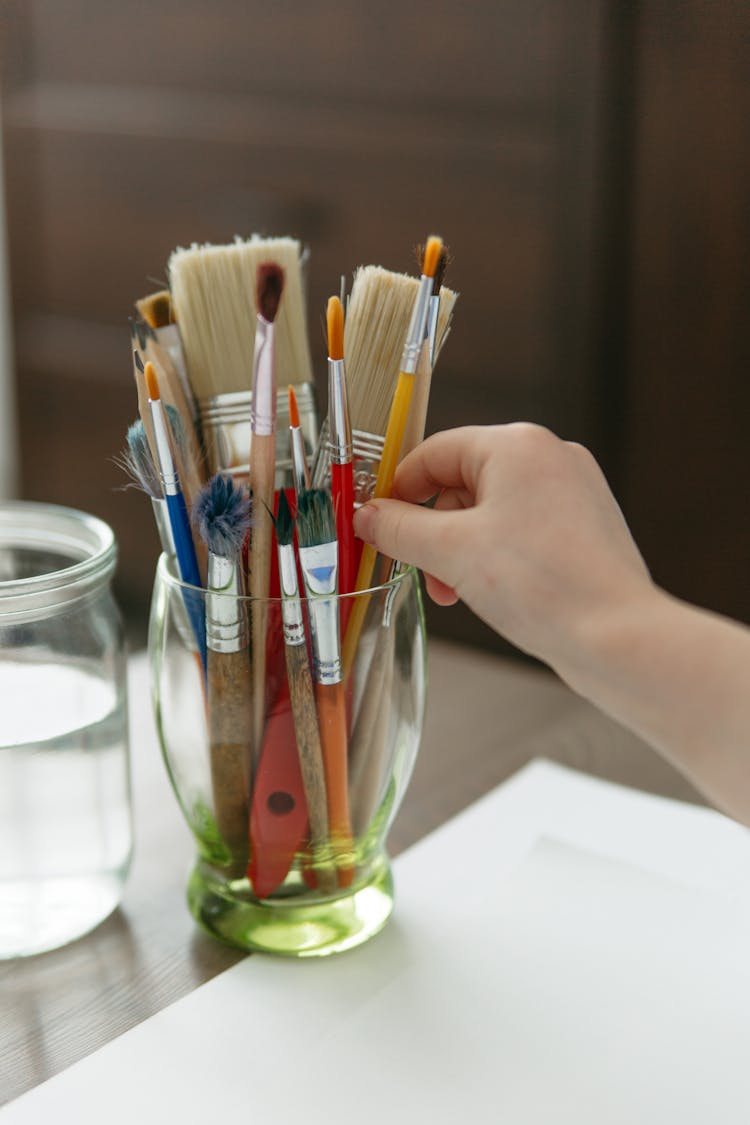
pixel 302 699
pixel 262 473
pixel 222 516
pixel 394 436
pixel 318 552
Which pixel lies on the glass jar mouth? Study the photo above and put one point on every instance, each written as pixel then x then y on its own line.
pixel 391 584
pixel 50 553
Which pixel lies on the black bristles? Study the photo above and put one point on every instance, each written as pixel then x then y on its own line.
pixel 222 516
pixel 437 281
pixel 443 262
pixel 270 286
pixel 138 361
pixel 316 522
pixel 284 523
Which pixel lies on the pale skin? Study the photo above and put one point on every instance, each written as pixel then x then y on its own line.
pixel 526 532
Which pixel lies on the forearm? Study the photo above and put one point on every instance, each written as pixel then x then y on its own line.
pixel 680 678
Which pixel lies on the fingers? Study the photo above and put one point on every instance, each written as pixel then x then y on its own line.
pixel 440 593
pixel 444 461
pixel 420 536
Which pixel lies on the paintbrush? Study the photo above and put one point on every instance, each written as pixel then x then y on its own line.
pixel 300 471
pixel 340 447
pixel 190 459
pixel 302 698
pixel 158 312
pixel 262 469
pixel 377 319
pixel 222 516
pixel 139 465
pixel 187 562
pixel 394 434
pixel 214 292
pixel 318 553
pixel 417 420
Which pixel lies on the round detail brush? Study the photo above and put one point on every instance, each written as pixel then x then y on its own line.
pixel 222 516
pixel 300 471
pixel 262 473
pixel 318 553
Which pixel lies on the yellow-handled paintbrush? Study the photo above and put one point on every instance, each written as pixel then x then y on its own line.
pixel 393 437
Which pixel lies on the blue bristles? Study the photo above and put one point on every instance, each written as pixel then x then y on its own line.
pixel 222 515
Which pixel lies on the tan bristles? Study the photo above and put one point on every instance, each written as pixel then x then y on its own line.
pixel 156 309
pixel 377 320
pixel 335 319
pixel 152 383
pixel 214 292
pixel 431 255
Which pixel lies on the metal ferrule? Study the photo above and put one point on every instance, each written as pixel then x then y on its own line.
pixel 167 471
pixel 291 606
pixel 339 426
pixel 300 471
pixel 263 411
pixel 417 325
pixel 225 620
pixel 320 571
pixel 367 450
pixel 164 528
pixel 225 421
pixel 433 312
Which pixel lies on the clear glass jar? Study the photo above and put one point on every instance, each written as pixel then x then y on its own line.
pixel 261 880
pixel 65 798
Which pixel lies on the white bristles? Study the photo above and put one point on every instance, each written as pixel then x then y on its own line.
pixel 213 290
pixel 377 320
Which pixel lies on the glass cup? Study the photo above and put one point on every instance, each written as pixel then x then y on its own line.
pixel 65 807
pixel 290 827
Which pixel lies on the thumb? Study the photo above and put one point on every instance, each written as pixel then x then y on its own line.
pixel 420 536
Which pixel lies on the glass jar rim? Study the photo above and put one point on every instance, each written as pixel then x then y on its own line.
pixel 88 541
pixel 170 579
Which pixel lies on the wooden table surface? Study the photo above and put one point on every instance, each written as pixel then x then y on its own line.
pixel 486 717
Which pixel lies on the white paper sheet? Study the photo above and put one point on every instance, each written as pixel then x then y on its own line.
pixel 524 979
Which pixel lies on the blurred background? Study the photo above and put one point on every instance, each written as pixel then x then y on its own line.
pixel 587 161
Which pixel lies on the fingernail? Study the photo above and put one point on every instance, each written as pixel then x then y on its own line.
pixel 364 522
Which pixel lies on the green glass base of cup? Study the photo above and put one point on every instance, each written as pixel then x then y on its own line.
pixel 300 925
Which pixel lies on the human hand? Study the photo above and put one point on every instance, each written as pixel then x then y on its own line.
pixel 524 530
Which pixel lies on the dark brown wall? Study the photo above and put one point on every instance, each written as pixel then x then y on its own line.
pixel 584 159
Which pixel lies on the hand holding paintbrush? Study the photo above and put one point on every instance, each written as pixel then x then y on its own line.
pixel 270 286
pixel 394 435
pixel 222 515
